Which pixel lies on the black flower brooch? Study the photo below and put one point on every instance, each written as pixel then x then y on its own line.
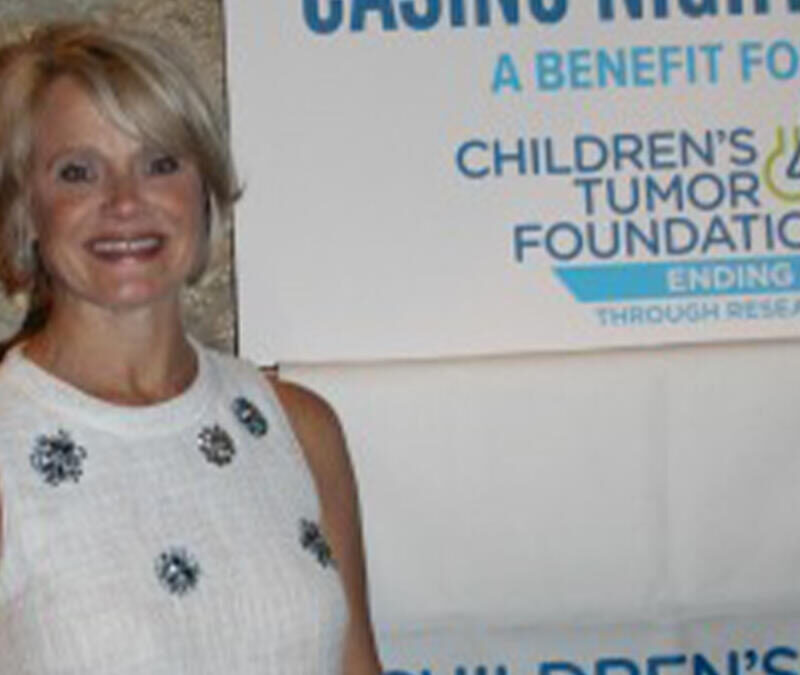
pixel 177 570
pixel 312 539
pixel 216 444
pixel 58 458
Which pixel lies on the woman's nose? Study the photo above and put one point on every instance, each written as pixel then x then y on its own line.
pixel 123 195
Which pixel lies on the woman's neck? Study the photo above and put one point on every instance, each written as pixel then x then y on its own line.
pixel 135 358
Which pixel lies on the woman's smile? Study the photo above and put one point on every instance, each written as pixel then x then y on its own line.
pixel 135 248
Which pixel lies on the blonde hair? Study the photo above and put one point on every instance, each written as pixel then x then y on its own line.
pixel 145 88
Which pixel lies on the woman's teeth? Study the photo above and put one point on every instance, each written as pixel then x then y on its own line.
pixel 126 246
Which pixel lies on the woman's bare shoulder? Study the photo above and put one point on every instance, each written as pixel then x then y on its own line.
pixel 320 434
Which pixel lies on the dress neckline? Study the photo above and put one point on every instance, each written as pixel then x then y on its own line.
pixel 140 420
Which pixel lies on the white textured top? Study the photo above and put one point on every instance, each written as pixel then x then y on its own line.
pixel 84 587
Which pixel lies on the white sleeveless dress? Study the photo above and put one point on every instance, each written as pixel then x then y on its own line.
pixel 178 538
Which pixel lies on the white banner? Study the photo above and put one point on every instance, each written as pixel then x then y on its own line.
pixel 483 176
pixel 579 507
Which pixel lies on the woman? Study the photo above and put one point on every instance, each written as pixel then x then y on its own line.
pixel 165 509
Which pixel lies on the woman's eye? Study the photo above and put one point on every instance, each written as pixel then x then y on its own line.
pixel 75 173
pixel 163 164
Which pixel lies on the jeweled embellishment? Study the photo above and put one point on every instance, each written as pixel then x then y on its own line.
pixel 58 458
pixel 216 444
pixel 312 539
pixel 250 416
pixel 177 570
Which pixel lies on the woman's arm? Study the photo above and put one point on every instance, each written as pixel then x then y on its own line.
pixel 321 437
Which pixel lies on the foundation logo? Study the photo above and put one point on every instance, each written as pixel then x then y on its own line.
pixel 675 215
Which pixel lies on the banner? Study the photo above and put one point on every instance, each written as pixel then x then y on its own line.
pixel 486 177
pixel 427 178
pixel 616 513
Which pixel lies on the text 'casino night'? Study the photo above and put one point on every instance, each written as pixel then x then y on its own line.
pixel 329 16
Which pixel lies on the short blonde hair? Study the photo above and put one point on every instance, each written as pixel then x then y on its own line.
pixel 145 88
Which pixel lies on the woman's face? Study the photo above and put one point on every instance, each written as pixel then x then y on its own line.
pixel 119 224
